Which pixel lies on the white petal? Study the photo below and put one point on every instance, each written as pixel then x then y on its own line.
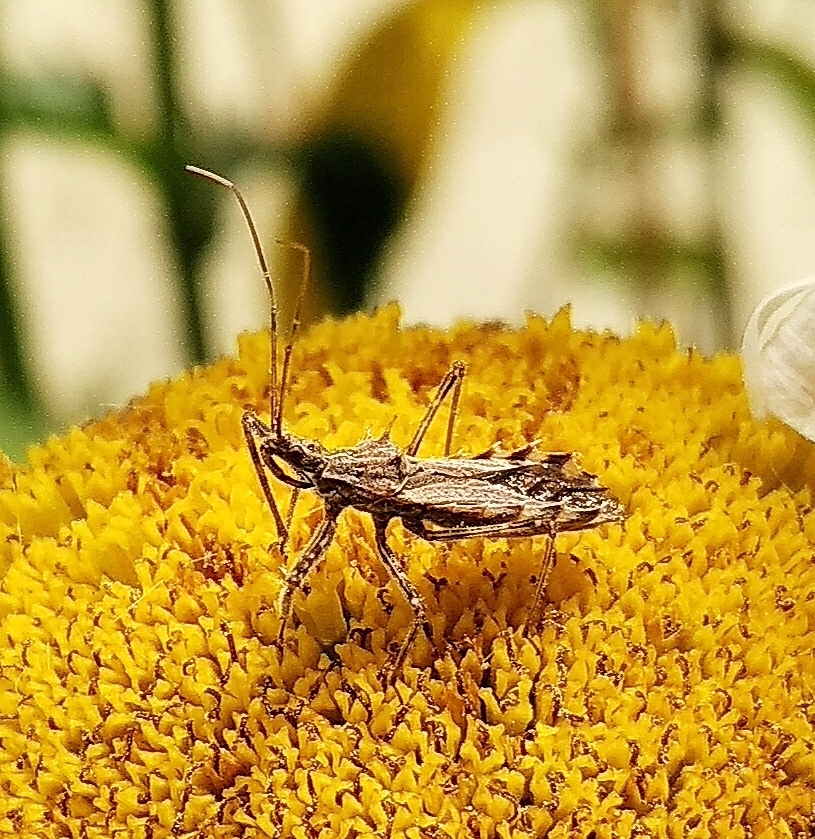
pixel 778 352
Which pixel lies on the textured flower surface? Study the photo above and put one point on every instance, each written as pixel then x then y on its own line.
pixel 667 691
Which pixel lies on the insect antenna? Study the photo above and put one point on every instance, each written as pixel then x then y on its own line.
pixel 295 325
pixel 275 404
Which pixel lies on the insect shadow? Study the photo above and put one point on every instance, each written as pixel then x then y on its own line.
pixel 490 494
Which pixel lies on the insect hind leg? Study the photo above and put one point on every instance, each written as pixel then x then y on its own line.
pixel 543 578
pixel 408 590
pixel 452 381
pixel 499 530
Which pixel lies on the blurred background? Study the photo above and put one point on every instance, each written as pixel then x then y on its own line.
pixel 635 158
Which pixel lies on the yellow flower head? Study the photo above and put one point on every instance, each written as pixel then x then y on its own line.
pixel 668 690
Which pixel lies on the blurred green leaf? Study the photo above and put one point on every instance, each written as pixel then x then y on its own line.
pixel 787 73
pixel 19 428
pixel 60 105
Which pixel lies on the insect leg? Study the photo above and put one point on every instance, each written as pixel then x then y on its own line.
pixel 533 527
pixel 320 540
pixel 543 577
pixel 252 429
pixel 295 494
pixel 451 381
pixel 506 529
pixel 409 592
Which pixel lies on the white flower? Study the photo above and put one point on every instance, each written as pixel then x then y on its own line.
pixel 778 351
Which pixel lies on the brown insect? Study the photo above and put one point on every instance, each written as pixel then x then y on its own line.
pixel 438 499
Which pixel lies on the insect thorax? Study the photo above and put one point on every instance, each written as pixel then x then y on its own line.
pixel 375 467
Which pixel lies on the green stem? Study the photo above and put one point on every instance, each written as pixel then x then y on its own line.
pixel 17 387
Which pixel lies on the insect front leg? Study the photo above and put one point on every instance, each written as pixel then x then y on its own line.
pixel 452 381
pixel 254 429
pixel 409 592
pixel 317 546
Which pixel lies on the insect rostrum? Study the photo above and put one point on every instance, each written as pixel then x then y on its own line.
pixel 520 493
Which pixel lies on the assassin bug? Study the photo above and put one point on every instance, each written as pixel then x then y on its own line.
pixel 437 499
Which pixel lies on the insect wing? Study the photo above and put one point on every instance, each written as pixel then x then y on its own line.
pixel 552 491
pixel 462 500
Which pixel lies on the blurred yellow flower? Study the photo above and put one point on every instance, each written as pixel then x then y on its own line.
pixel 668 691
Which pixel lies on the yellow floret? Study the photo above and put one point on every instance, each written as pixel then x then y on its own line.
pixel 667 690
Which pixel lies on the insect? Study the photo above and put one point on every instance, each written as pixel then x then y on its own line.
pixel 438 499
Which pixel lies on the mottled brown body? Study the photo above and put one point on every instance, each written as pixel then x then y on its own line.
pixel 442 499
pixel 438 499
